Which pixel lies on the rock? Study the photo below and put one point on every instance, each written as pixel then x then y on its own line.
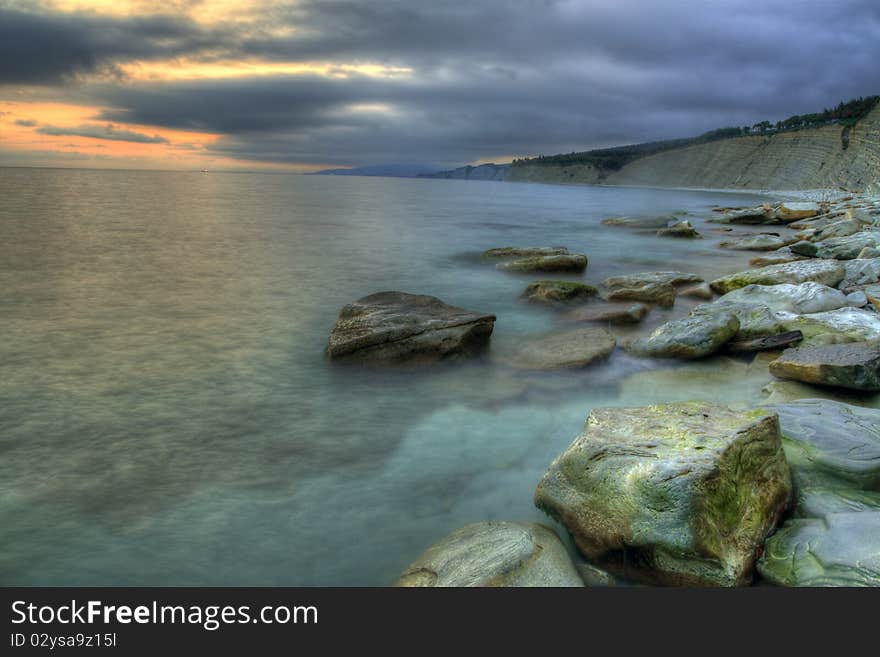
pixel 804 248
pixel 611 313
pixel 494 554
pixel 819 502
pixel 680 494
pixel 395 326
pixel 854 365
pixel 818 222
pixel 639 221
pixel 525 252
pixel 846 248
pixel 554 263
pixel 819 271
pixel 595 576
pixel 872 293
pixel 556 292
pixel 864 271
pixel 778 257
pixel 701 291
pixel 570 349
pixel 843 228
pixel 759 242
pixel 781 392
pixel 801 298
pixel 755 320
pixel 650 277
pixel 661 294
pixel 869 252
pixel 778 341
pixel 833 327
pixel 794 211
pixel 840 549
pixel 679 229
pixel 759 215
pixel 857 299
pixel 695 336
pixel 831 445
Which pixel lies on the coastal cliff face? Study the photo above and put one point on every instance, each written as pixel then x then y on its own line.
pixel 827 157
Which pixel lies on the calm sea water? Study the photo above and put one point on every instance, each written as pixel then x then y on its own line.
pixel 167 416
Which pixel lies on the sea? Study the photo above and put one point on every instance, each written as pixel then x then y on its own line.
pixel 168 415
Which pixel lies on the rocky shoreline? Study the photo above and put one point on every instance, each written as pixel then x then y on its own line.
pixel 684 493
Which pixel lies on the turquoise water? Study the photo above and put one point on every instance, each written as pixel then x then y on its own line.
pixel 167 416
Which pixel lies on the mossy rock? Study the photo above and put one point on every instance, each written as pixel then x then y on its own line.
pixel 827 272
pixel 680 494
pixel 696 336
pixel 572 263
pixel 558 292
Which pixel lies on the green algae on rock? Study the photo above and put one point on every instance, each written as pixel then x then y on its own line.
pixel 558 292
pixel 680 494
pixel 839 549
pixel 495 554
pixel 827 272
pixel 573 263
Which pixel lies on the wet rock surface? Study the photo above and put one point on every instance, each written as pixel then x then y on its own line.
pixel 854 365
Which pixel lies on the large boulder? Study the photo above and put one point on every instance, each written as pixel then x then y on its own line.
pixel 695 336
pixel 494 554
pixel 758 242
pixel 524 251
pixel 572 263
pixel 820 271
pixel 800 298
pixel 558 292
pixel 854 365
pixel 396 326
pixel 839 549
pixel 680 494
pixel 609 313
pixel 566 350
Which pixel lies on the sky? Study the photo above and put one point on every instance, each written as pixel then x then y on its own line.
pixel 303 85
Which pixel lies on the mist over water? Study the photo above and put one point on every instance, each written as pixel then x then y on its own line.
pixel 167 416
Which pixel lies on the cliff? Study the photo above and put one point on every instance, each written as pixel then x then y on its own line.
pixel 480 172
pixel 826 157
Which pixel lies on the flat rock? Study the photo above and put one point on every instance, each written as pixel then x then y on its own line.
pixel 854 365
pixel 644 278
pixel 661 294
pixel 524 251
pixel 610 313
pixel 839 549
pixel 695 336
pixel 565 350
pixel 795 211
pixel 758 215
pixel 833 327
pixel 641 221
pixel 759 242
pixel 828 273
pixel 800 298
pixel 846 248
pixel 843 228
pixel 494 554
pixel 550 263
pixel 680 494
pixel 558 292
pixel 396 326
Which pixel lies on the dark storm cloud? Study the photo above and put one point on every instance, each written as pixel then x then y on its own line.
pixel 108 132
pixel 490 78
pixel 45 48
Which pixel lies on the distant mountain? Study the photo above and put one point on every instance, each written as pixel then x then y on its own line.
pixel 390 170
pixel 481 172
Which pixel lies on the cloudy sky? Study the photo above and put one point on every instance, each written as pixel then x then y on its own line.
pixel 309 84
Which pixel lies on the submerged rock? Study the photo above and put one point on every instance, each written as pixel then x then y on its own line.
pixel 566 350
pixel 494 554
pixel 558 292
pixel 680 494
pixel 551 263
pixel 701 291
pixel 679 229
pixel 524 251
pixel 611 313
pixel 661 294
pixel 759 242
pixel 820 271
pixel 396 326
pixel 854 365
pixel 641 221
pixel 778 257
pixel 695 336
pixel 839 549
